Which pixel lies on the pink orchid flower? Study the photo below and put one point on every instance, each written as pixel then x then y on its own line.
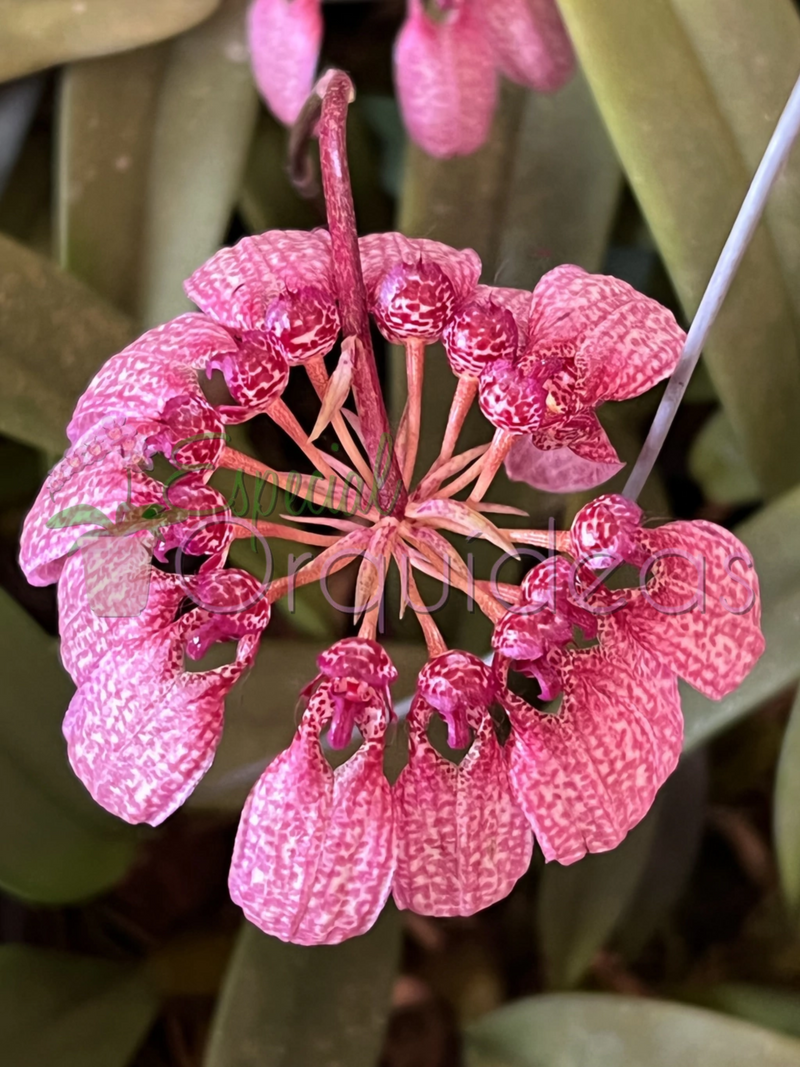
pixel 315 852
pixel 447 58
pixel 463 842
pixel 583 339
pixel 285 38
pixel 319 850
pixel 141 731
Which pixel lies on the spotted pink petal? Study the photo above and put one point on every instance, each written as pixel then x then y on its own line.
pixel 276 289
pixel 163 363
pixel 360 658
pixel 142 732
pixel 622 342
pixel 530 42
pixel 588 773
pixel 101 487
pixel 462 841
pixel 285 38
pixel 413 284
pixel 454 683
pixel 446 79
pixel 556 471
pixel 315 851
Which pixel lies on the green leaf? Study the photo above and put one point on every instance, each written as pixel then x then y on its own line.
pixel 56 333
pixel 289 1006
pixel 78 516
pixel 106 112
pixel 43 33
pixel 260 715
pixel 206 115
pixel 776 1009
pixel 787 811
pixel 56 844
pixel 70 1011
pixel 564 191
pixel 716 461
pixel 601 1030
pixel 681 819
pixel 687 170
pixel 580 905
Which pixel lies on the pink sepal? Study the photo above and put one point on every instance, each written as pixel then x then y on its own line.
pixel 462 841
pixel 622 342
pixel 529 42
pixel 315 851
pixel 285 38
pixel 556 471
pixel 587 773
pixel 141 732
pixel 446 79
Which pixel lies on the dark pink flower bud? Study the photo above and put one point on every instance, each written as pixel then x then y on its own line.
pixel 479 332
pixel 303 324
pixel 414 284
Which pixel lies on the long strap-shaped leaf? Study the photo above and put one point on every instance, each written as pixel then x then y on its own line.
pixel 687 170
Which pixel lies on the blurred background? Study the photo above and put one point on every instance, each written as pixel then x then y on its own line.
pixel 132 144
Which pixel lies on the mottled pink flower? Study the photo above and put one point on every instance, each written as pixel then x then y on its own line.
pixel 697 608
pixel 274 290
pixel 413 284
pixel 315 852
pixel 446 79
pixel 141 730
pixel 462 840
pixel 166 364
pixel 529 42
pixel 585 339
pixel 285 38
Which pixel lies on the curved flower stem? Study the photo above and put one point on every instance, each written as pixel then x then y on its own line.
pixel 289 533
pixel 283 417
pixel 463 399
pixel 433 636
pixel 318 377
pixel 415 369
pixel 440 472
pixel 326 113
pixel 330 561
pixel 492 462
pixel 744 228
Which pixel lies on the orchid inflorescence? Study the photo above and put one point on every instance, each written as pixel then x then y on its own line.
pixel 319 850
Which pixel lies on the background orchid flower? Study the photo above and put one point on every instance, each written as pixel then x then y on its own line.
pixel 462 841
pixel 529 42
pixel 285 38
pixel 446 78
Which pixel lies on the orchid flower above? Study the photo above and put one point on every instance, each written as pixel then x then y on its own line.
pixel 447 59
pixel 599 727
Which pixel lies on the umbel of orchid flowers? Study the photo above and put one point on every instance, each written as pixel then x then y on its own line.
pixel 318 850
